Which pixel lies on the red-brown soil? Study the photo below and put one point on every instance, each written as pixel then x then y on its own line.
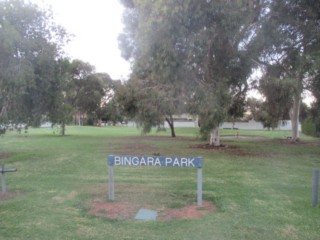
pixel 131 198
pixel 114 210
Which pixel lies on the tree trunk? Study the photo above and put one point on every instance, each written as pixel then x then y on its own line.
pixel 171 125
pixel 215 137
pixel 295 117
pixel 63 128
pixel 79 119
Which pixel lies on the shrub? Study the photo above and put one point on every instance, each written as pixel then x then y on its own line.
pixel 309 127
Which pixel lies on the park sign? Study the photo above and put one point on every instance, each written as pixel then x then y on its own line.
pixel 4 170
pixel 156 161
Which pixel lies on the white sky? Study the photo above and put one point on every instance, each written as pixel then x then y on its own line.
pixel 95 25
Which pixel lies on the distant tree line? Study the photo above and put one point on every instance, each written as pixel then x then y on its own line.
pixel 37 82
pixel 187 56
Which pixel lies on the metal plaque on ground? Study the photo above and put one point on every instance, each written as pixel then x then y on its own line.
pixel 146 214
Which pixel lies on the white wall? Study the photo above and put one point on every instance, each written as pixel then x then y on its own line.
pixel 250 125
pixel 253 125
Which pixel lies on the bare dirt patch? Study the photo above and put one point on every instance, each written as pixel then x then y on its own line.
pixel 9 195
pixel 128 203
pixel 295 143
pixel 116 210
pixel 228 149
pixel 3 156
pixel 188 212
pixel 212 147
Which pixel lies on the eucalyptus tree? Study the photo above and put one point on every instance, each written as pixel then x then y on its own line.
pixel 314 113
pixel 110 109
pixel 150 105
pixel 161 92
pixel 59 109
pixel 80 91
pixel 288 37
pixel 218 56
pixel 85 89
pixel 278 99
pixel 30 44
pixel 200 46
pixel 149 42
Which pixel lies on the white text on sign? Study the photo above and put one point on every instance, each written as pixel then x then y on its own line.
pixel 156 161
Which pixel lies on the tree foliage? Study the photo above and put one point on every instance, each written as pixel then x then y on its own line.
pixel 199 47
pixel 278 93
pixel 36 80
pixel 30 44
pixel 148 104
pixel 288 37
pixel 79 91
pixel 111 110
pixel 86 88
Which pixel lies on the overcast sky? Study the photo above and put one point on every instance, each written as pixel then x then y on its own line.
pixel 95 25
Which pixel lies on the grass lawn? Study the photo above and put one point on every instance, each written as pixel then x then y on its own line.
pixel 261 186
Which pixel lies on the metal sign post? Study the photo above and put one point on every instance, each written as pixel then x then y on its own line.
pixel 3 176
pixel 156 161
pixel 111 183
pixel 315 187
pixel 199 186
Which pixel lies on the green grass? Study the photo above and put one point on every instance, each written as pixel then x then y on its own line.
pixel 261 187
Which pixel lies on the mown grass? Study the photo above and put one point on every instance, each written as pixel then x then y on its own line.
pixel 261 186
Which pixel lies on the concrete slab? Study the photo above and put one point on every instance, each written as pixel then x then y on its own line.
pixel 146 214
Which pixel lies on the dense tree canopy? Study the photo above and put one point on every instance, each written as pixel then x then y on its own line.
pixel 150 104
pixel 30 44
pixel 196 46
pixel 36 81
pixel 212 46
pixel 78 91
pixel 86 88
pixel 288 36
pixel 186 55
